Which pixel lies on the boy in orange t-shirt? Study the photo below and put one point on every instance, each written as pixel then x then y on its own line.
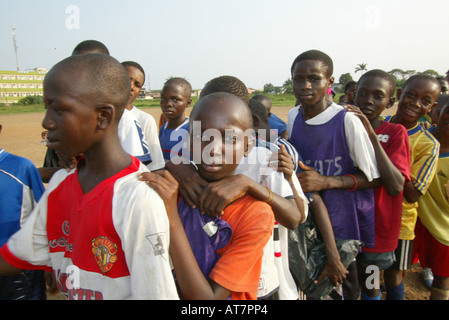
pixel 237 272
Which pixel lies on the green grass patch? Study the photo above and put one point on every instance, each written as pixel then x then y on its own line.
pixel 9 109
pixel 155 103
pixel 281 100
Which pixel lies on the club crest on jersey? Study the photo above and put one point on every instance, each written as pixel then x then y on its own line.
pixel 104 251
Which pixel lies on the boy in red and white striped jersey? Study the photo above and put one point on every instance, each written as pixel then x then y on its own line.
pixel 103 232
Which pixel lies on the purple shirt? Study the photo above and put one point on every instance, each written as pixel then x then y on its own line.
pixel 324 147
pixel 204 244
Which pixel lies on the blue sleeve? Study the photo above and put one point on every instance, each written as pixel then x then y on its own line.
pixel 35 182
pixel 277 123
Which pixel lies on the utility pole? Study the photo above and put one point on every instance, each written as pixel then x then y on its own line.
pixel 14 43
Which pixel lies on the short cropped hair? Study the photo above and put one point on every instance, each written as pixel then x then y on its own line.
pixel 258 109
pixel 383 75
pixel 443 81
pixel 180 82
pixel 103 78
pixel 349 84
pixel 227 96
pixel 422 76
pixel 90 46
pixel 315 55
pixel 228 84
pixel 134 65
pixel 261 97
pixel 443 99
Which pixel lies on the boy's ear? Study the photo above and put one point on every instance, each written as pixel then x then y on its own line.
pixel 255 121
pixel 105 116
pixel 249 146
pixel 432 107
pixel 398 94
pixel 331 81
pixel 391 102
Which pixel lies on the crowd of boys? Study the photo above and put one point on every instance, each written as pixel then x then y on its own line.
pixel 201 206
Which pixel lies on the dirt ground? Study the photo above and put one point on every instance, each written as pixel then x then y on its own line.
pixel 21 135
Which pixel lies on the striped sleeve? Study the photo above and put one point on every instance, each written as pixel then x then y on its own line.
pixel 291 150
pixel 132 137
pixel 425 161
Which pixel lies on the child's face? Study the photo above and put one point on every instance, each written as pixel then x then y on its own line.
pixel 373 96
pixel 310 82
pixel 71 121
pixel 174 100
pixel 222 141
pixel 137 80
pixel 350 93
pixel 342 99
pixel 417 99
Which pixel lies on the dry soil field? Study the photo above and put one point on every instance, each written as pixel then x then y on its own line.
pixel 21 135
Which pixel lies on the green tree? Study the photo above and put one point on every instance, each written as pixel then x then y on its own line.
pixel 431 72
pixel 401 76
pixel 344 79
pixel 287 87
pixel 409 73
pixel 397 73
pixel 31 100
pixel 268 88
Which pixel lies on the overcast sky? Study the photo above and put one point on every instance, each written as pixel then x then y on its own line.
pixel 255 41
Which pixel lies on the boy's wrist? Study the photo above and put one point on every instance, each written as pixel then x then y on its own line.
pixel 332 254
pixel 251 187
pixel 335 182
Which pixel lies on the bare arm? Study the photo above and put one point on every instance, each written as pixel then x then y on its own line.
pixel 64 162
pixel 47 172
pixel 312 181
pixel 411 194
pixel 285 165
pixel 217 195
pixel 212 198
pixel 334 268
pixel 6 269
pixel 190 183
pixel 391 177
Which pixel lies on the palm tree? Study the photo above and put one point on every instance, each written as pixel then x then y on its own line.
pixel 361 67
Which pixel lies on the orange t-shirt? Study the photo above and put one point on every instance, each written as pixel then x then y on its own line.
pixel 240 263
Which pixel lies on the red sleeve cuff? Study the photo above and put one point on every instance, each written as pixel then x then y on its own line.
pixel 9 257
